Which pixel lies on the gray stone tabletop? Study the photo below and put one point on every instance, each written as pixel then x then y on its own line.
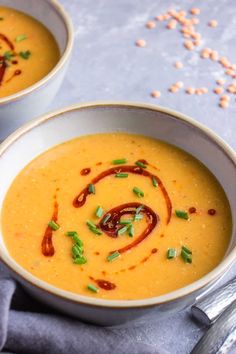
pixel 106 64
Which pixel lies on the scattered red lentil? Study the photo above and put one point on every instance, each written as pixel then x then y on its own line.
pixel 178 65
pixel 150 24
pixel 141 43
pixel 192 210
pixel 211 211
pixel 156 94
pixel 212 23
pixel 195 11
pixel 218 90
pixel 190 90
pixel 220 82
pixel 189 45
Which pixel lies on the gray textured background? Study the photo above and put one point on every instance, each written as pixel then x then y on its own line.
pixel 107 65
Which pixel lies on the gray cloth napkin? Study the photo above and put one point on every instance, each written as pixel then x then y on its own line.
pixel 27 326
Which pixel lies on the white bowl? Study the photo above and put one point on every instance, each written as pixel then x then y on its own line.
pixel 153 121
pixel 29 103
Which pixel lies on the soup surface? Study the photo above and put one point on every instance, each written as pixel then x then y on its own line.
pixel 144 217
pixel 28 51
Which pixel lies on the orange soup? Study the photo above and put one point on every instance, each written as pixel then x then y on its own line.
pixel 28 51
pixel 116 216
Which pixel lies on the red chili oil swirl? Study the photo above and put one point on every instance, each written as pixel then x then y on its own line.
pixel 47 244
pixel 3 66
pixel 80 199
pixel 16 73
pixel 104 284
pixel 85 171
pixel 7 41
pixel 112 226
pixel 211 212
pixel 192 210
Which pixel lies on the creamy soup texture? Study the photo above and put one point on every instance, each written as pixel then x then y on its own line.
pixel 116 216
pixel 28 51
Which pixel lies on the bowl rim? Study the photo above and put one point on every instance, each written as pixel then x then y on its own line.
pixel 176 295
pixel 58 8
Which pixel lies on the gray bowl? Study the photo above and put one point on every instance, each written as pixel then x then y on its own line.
pixel 153 121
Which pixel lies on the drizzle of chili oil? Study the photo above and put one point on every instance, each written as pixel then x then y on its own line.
pixel 104 284
pixel 211 212
pixel 112 227
pixel 47 244
pixel 85 171
pixel 3 62
pixel 80 199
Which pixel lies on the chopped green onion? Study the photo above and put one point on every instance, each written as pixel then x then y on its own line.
pixel 113 256
pixel 93 288
pixel 8 55
pixel 77 251
pixel 80 260
pixel 119 161
pixel 91 224
pixel 25 55
pixel 125 221
pixel 154 182
pixel 138 192
pixel 54 226
pixel 181 214
pixel 122 230
pixel 93 228
pixel 171 253
pixel 71 233
pixel 131 231
pixel 139 209
pixel 20 38
pixel 99 212
pixel 121 175
pixel 138 217
pixel 187 257
pixel 186 250
pixel 91 188
pixel 140 164
pixel 107 217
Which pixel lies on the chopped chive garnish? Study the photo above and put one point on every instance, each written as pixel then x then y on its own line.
pixel 125 221
pixel 107 217
pixel 54 226
pixel 78 241
pixel 77 251
pixel 20 38
pixel 99 212
pixel 71 233
pixel 122 230
pixel 93 228
pixel 139 209
pixel 186 250
pixel 119 161
pixel 80 260
pixel 181 214
pixel 138 192
pixel 95 231
pixel 91 188
pixel 187 257
pixel 113 256
pixel 171 253
pixel 121 175
pixel 91 224
pixel 93 288
pixel 138 217
pixel 154 182
pixel 140 164
pixel 8 55
pixel 131 231
pixel 25 55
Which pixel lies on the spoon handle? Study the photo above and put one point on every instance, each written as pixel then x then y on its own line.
pixel 209 307
pixel 220 337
